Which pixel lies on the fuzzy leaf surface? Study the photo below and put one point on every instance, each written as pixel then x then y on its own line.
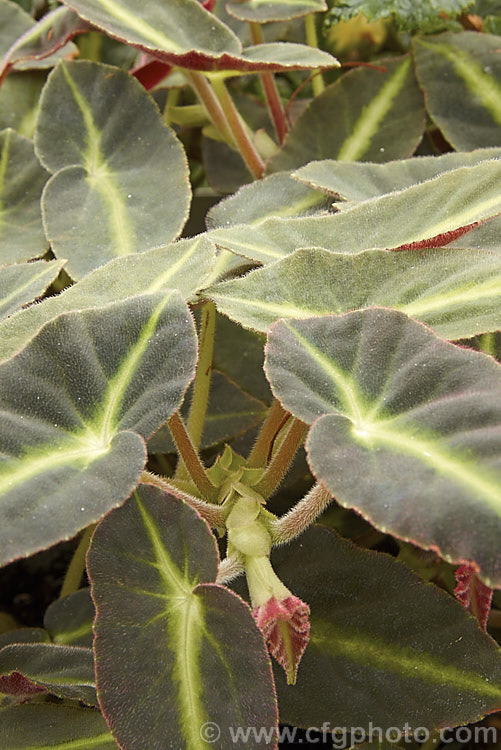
pixel 192 651
pixel 183 265
pixel 22 282
pixel 430 212
pixel 407 427
pixel 457 292
pixel 21 183
pixel 425 16
pixel 51 727
pixel 461 77
pixel 109 175
pixel 77 404
pixel 405 639
pixel 69 620
pixel 378 116
pixel 264 11
pixel 359 181
pixel 186 35
pixel 66 671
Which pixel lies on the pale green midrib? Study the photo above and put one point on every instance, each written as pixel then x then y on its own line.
pixel 107 423
pixel 140 26
pixel 372 651
pixel 293 3
pixel 478 210
pixel 358 142
pixel 52 681
pixel 186 647
pixel 4 160
pixel 482 85
pixel 293 210
pixel 31 467
pixel 463 472
pixel 4 301
pixel 101 178
pixel 348 393
pixel 160 282
pixel 47 22
pixel 231 244
pixel 280 310
pixel 83 744
pixel 174 582
pixel 69 636
pixel 443 300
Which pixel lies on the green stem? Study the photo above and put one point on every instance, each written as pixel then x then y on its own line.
pixel 73 577
pixel 172 100
pixel 301 516
pixel 312 39
pixel 213 514
pixel 487 343
pixel 208 98
pixel 282 459
pixel 200 400
pixel 273 101
pixel 269 430
pixel 191 458
pixel 239 130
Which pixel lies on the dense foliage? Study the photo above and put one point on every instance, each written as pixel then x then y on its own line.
pixel 250 371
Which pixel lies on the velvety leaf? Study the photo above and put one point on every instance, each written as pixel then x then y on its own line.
pixel 69 620
pixel 277 195
pixel 359 181
pixel 77 404
pixel 48 726
pixel 461 77
pixel 24 635
pixel 473 593
pixel 27 44
pixel 457 292
pixel 167 637
pixel 21 183
pixel 109 175
pixel 230 412
pixel 431 211
pixel 186 35
pixel 44 43
pixel 378 630
pixel 264 11
pixel 486 235
pixel 425 15
pixel 21 283
pixel 19 95
pixel 182 265
pixel 367 115
pixel 66 671
pixel 407 427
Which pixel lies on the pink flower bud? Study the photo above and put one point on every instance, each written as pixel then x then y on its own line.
pixel 286 628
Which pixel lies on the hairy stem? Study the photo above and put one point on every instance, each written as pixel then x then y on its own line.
pixel 312 39
pixel 301 516
pixel 269 430
pixel 229 568
pixel 208 98
pixel 282 459
pixel 191 458
pixel 213 514
pixel 239 130
pixel 73 577
pixel 273 101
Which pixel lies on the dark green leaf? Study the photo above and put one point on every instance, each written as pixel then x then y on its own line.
pixel 378 630
pixel 457 292
pixel 367 115
pixel 168 638
pixel 182 265
pixel 52 727
pixel 69 620
pixel 77 404
pixel 21 183
pixel 19 97
pixel 120 159
pixel 429 212
pixel 66 671
pixel 186 35
pixel 406 427
pixel 264 11
pixel 21 283
pixel 461 77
